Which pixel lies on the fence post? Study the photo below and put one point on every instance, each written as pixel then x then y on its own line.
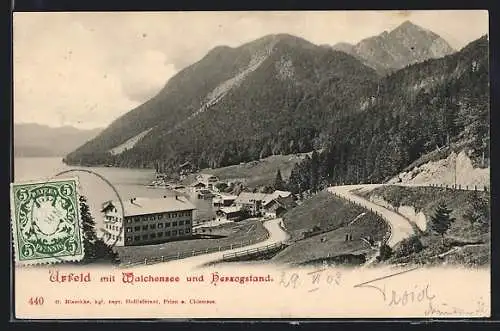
pixel 145 260
pixel 162 258
pixel 178 254
pixel 231 247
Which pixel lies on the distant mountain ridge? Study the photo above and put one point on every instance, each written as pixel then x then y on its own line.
pixel 265 97
pixel 405 45
pixel 281 94
pixel 35 140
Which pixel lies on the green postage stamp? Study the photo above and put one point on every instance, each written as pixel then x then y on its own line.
pixel 46 221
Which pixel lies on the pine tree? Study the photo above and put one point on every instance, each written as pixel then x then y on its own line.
pixel 279 184
pixel 314 179
pixel 95 248
pixel 441 220
pixel 478 213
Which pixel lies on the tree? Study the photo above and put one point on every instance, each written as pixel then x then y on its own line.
pixel 279 184
pixel 95 248
pixel 478 213
pixel 441 220
pixel 385 252
pixel 408 246
pixel 314 171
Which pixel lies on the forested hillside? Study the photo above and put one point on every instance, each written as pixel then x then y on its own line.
pixel 271 96
pixel 412 112
pixel 282 95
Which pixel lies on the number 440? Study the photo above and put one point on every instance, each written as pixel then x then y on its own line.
pixel 36 301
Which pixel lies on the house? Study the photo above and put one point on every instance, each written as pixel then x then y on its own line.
pixel 147 221
pixel 251 201
pixel 205 194
pixel 278 206
pixel 208 180
pixel 198 185
pixel 276 194
pixel 233 214
pixel 221 200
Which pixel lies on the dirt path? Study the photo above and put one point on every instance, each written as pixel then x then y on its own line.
pixel 276 235
pixel 400 226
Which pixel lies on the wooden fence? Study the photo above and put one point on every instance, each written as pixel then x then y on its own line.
pixel 186 254
pixel 253 251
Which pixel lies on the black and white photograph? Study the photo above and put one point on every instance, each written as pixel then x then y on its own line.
pixel 245 153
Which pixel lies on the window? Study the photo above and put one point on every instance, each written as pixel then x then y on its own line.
pixel 128 239
pixel 188 230
pixel 160 225
pixel 144 227
pixel 152 226
pixel 144 237
pixel 174 215
pixel 152 235
pixel 167 225
pixel 174 223
pixel 174 232
pixel 137 228
pixel 160 234
pixel 188 222
pixel 167 233
pixel 129 229
pixel 181 222
pixel 136 238
pixel 129 221
pixel 137 219
pixel 181 232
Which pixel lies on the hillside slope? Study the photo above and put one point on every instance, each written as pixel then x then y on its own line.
pixel 418 109
pixel 270 96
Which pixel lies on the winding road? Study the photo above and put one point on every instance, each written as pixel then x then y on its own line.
pixel 276 235
pixel 400 226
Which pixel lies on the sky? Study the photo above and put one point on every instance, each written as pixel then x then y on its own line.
pixel 85 69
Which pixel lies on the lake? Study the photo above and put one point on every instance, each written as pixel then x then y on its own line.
pixel 128 183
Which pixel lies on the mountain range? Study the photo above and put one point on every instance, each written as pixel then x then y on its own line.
pixel 281 94
pixel 389 51
pixel 35 140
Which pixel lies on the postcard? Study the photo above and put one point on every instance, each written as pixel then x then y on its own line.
pixel 306 164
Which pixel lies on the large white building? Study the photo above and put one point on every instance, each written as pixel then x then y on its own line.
pixel 147 221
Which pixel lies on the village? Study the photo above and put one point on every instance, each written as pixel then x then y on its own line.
pixel 188 211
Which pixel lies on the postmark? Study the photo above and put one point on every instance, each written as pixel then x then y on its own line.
pixel 46 223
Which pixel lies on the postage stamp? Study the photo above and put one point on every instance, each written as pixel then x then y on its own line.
pixel 45 222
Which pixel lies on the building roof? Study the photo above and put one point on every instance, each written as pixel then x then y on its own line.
pixel 196 184
pixel 276 194
pixel 144 206
pixel 248 197
pixel 285 202
pixel 229 210
pixel 206 176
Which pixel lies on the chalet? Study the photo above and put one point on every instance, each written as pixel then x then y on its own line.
pixel 251 202
pixel 208 180
pixel 204 194
pixel 278 206
pixel 147 221
pixel 276 194
pixel 221 200
pixel 198 185
pixel 233 214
